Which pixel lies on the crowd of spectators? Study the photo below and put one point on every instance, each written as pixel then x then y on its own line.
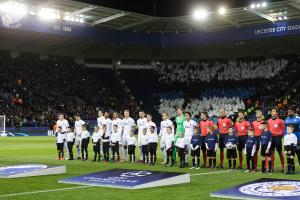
pixel 207 71
pixel 33 91
pixel 212 105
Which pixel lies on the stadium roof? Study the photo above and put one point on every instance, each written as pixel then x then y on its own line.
pixel 122 20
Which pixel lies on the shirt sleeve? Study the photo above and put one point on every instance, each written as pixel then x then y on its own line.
pixel 216 138
pixel 282 126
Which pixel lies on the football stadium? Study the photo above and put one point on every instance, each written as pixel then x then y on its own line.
pixel 145 99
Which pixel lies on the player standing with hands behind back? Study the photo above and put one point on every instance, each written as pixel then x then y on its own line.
pixel 242 127
pixel 78 130
pixel 276 126
pixel 64 124
pixel 290 147
pixel 128 124
pixel 224 123
pixel 211 143
pixel 265 143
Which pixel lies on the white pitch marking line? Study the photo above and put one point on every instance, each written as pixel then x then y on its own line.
pixel 200 174
pixel 44 191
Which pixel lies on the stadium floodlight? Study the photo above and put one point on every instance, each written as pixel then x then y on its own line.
pixel 12 8
pixel 285 17
pixel 279 18
pixel 200 14
pixel 264 4
pixel 252 6
pixel 222 10
pixel 258 5
pixel 48 14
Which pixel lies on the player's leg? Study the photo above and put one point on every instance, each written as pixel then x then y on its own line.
pixel 98 151
pixel 298 152
pixel 234 156
pixel 240 147
pixel 222 147
pixel 204 152
pixel 292 157
pixel 151 153
pixel 58 151
pixel 255 159
pixel 198 158
pixel 280 153
pixel 209 157
pixel 95 151
pixel 193 154
pixel 66 150
pixel 113 146
pixel 229 158
pixel 79 149
pixel 248 158
pixel 214 160
pixel 82 150
pixel 70 148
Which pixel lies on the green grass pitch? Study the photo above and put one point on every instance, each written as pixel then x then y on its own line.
pixel 19 150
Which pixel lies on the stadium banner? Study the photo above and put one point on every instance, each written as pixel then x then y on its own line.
pixel 32 24
pixel 62 28
pixel 26 131
pixel 264 188
pixel 283 28
pixel 129 179
pixel 27 170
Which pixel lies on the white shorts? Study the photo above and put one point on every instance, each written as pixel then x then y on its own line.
pixel 162 143
pixel 77 141
pixel 124 140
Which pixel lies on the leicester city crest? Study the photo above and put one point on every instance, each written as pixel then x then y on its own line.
pixel 272 189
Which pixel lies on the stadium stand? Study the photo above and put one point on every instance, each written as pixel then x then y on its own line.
pixel 32 87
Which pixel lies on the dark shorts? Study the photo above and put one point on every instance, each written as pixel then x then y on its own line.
pixel 222 139
pixel 152 147
pixel 276 143
pixel 211 153
pixel 115 147
pixel 203 147
pixel 145 150
pixel 181 152
pixel 195 153
pixel 291 150
pixel 263 151
pixel 84 143
pixel 257 139
pixel 231 153
pixel 241 142
pixel 59 146
pixel 131 149
pixel 96 147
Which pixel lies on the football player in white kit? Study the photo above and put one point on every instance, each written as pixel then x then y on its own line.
pixel 162 134
pixel 100 120
pixel 78 130
pixel 128 123
pixel 117 121
pixel 108 122
pixel 150 123
pixel 188 125
pixel 141 122
pixel 64 124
